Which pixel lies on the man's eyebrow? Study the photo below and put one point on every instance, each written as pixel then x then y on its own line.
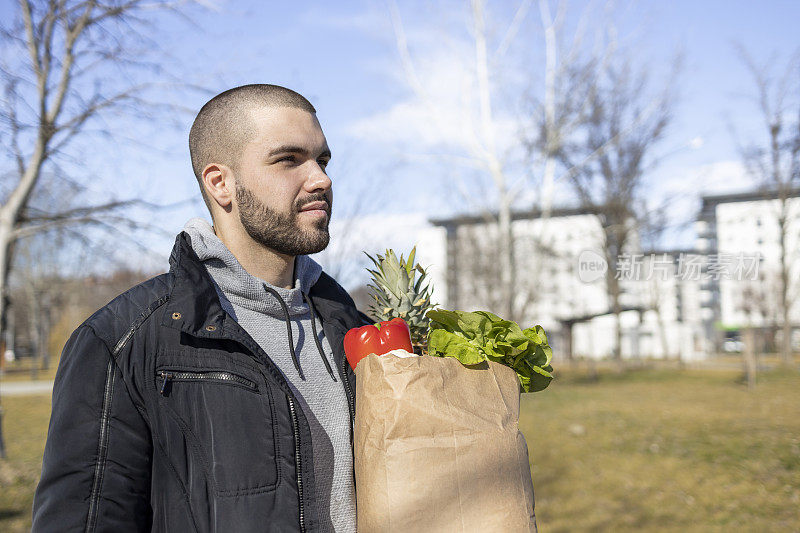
pixel 292 149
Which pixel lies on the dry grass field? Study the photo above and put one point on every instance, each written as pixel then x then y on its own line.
pixel 644 450
pixel 666 450
pixel 25 428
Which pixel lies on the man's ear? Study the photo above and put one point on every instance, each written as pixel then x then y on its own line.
pixel 219 183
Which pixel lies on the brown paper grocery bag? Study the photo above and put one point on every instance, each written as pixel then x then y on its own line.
pixel 437 447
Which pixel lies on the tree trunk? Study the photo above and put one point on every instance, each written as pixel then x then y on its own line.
pixel 5 252
pixel 2 440
pixel 617 334
pixel 3 310
pixel 2 364
pixel 616 308
pixel 568 348
pixel 749 355
pixel 662 333
pixel 550 147
pixel 46 307
pixel 506 260
pixel 34 328
pixel 506 307
pixel 787 357
pixel 8 215
pixel 786 324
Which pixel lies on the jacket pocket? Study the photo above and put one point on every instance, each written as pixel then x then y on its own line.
pixel 212 376
pixel 226 417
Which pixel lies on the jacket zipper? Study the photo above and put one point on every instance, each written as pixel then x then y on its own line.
pixel 218 376
pixel 350 400
pixel 255 349
pixel 295 426
pixel 258 352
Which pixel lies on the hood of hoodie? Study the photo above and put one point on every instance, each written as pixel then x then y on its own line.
pixel 239 286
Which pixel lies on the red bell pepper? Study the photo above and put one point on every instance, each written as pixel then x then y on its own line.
pixel 378 339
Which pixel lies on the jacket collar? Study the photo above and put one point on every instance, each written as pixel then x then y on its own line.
pixel 194 305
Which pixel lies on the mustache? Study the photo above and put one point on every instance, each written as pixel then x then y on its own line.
pixel 317 197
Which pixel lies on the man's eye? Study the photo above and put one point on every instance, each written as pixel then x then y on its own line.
pixel 323 163
pixel 289 158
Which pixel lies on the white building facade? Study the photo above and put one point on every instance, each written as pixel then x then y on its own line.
pixel 677 303
pixel 742 233
pixel 560 283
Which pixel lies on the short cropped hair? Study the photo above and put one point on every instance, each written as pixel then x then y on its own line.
pixel 223 126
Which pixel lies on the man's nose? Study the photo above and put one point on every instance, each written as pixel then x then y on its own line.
pixel 317 179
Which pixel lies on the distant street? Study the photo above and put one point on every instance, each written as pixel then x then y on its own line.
pixel 25 388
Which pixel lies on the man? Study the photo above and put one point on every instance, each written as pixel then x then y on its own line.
pixel 216 397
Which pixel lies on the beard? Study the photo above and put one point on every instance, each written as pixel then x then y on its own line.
pixel 279 231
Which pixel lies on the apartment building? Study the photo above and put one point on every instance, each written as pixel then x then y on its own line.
pixel 560 283
pixel 742 232
pixel 677 302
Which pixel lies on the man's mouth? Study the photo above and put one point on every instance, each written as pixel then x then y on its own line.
pixel 315 208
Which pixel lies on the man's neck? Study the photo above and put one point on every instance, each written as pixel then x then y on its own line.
pixel 258 260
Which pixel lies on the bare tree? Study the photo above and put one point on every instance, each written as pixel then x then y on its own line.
pixel 55 91
pixel 757 305
pixel 774 163
pixel 494 164
pixel 483 151
pixel 559 111
pixel 36 271
pixel 344 258
pixel 651 229
pixel 607 160
pixel 500 183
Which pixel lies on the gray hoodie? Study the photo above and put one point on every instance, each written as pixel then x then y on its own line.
pixel 252 302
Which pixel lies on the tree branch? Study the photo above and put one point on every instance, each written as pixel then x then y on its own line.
pixel 33 50
pixel 14 125
pixel 71 35
pixel 96 104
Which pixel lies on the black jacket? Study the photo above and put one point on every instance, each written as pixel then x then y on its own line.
pixel 168 416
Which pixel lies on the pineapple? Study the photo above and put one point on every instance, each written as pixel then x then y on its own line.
pixel 398 294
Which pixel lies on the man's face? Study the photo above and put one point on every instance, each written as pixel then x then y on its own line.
pixel 283 194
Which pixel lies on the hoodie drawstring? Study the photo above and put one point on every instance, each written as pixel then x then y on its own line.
pixel 316 337
pixel 288 320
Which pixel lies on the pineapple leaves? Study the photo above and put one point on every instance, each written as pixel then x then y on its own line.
pixel 410 263
pixel 399 293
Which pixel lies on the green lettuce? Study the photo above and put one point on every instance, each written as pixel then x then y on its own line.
pixel 482 336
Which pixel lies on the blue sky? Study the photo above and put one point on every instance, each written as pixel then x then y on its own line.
pixel 342 56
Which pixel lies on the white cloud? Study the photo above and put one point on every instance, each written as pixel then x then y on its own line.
pixel 720 177
pixel 444 112
pixel 713 178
